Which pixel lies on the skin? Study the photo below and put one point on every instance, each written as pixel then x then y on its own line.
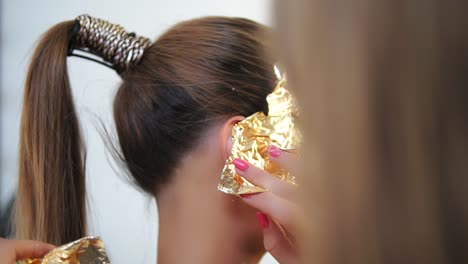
pixel 199 224
pixel 277 206
pixel 196 219
pixel 14 250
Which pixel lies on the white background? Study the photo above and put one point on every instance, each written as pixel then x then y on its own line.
pixel 125 218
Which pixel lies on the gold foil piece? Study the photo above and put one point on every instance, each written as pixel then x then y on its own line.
pixel 87 250
pixel 252 136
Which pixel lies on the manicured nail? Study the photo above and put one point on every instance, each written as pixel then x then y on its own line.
pixel 263 220
pixel 274 151
pixel 241 165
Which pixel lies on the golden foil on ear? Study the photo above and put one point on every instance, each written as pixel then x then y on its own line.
pixel 87 250
pixel 252 136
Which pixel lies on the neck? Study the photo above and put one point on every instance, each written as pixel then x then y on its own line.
pixel 192 239
pixel 198 224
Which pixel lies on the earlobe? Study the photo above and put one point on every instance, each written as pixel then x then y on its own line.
pixel 226 134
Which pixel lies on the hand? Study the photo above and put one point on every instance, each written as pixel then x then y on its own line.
pixel 15 250
pixel 278 212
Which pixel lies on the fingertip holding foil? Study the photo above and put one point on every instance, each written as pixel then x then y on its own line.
pixel 252 136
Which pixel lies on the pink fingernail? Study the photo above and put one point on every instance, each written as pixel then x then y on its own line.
pixel 263 220
pixel 241 165
pixel 274 151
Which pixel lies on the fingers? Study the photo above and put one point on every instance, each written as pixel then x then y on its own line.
pixel 14 250
pixel 275 240
pixel 263 179
pixel 276 207
pixel 31 249
pixel 277 203
pixel 286 160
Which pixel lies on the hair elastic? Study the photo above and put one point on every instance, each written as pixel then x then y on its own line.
pixel 118 48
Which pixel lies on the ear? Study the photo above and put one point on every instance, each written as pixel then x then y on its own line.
pixel 226 134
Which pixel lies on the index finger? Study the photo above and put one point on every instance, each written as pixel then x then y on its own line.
pixel 285 159
pixel 265 180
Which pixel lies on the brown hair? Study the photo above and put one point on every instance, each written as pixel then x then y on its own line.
pixel 199 72
pixel 384 85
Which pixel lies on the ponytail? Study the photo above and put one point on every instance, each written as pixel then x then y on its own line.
pixel 51 204
pixel 51 186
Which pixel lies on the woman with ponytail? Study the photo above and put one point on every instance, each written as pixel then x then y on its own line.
pixel 174 112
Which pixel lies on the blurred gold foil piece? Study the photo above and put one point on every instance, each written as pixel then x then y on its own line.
pixel 87 250
pixel 252 136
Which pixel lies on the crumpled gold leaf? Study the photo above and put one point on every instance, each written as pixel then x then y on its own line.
pixel 252 136
pixel 87 250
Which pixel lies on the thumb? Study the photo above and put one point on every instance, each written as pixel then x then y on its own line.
pixel 30 249
pixel 275 240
